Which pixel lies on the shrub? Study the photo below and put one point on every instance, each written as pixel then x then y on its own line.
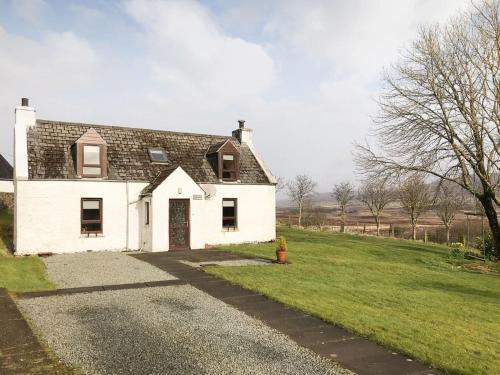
pixel 489 248
pixel 456 253
pixel 281 243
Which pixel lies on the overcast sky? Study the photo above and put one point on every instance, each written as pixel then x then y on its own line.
pixel 303 74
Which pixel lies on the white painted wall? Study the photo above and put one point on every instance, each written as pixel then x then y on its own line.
pixel 256 214
pixel 6 186
pixel 48 216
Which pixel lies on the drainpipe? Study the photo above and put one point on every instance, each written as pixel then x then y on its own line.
pixel 127 224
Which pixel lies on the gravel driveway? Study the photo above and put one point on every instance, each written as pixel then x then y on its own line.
pixel 100 268
pixel 165 330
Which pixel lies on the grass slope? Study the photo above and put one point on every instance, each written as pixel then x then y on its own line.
pixel 407 296
pixel 19 274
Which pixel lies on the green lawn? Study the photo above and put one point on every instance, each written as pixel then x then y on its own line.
pixel 19 274
pixel 408 296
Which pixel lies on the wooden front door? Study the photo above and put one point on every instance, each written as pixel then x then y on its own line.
pixel 178 231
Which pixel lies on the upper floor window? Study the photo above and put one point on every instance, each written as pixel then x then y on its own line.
pixel 91 158
pixel 225 160
pixel 91 161
pixel 158 155
pixel 228 167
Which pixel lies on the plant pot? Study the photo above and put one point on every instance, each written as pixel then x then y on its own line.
pixel 281 256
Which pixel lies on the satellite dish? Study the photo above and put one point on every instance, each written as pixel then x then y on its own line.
pixel 210 190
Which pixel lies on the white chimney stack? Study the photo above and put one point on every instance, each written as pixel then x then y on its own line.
pixel 25 118
pixel 242 134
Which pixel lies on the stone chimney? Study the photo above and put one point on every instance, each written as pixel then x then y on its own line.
pixel 242 134
pixel 24 119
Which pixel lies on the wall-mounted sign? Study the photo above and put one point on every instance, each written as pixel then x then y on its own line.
pixel 197 197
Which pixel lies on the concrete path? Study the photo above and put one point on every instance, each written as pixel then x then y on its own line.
pixel 20 350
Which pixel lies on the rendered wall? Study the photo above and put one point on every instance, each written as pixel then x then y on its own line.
pixel 48 216
pixel 256 214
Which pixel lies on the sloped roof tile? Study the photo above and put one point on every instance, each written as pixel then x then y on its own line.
pixel 51 153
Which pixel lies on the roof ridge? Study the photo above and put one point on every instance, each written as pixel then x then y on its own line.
pixel 132 128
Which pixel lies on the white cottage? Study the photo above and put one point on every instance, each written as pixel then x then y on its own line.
pixel 82 187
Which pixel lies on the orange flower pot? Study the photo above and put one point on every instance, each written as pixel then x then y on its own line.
pixel 281 256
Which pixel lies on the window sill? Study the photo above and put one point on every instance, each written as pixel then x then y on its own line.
pixel 230 230
pixel 91 235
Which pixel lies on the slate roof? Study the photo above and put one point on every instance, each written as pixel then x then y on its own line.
pixel 51 153
pixel 6 170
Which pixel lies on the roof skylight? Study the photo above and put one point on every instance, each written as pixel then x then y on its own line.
pixel 158 155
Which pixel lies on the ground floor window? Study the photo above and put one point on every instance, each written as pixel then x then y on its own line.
pixel 229 213
pixel 91 215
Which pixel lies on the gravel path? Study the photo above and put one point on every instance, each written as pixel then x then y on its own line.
pixel 165 330
pixel 100 268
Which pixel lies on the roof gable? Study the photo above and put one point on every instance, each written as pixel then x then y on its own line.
pixel 91 137
pixel 226 145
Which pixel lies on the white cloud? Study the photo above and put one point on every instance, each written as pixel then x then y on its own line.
pixel 356 36
pixel 31 11
pixel 193 57
pixel 44 70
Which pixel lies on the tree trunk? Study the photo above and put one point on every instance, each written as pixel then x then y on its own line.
pixel 448 235
pixel 377 220
pixel 414 228
pixel 491 214
pixel 300 214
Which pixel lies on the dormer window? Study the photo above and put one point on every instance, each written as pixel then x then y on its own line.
pixel 228 167
pixel 224 158
pixel 91 155
pixel 158 155
pixel 91 161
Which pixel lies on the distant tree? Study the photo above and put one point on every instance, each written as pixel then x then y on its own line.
pixel 376 195
pixel 299 189
pixel 343 194
pixel 280 184
pixel 448 202
pixel 415 197
pixel 439 109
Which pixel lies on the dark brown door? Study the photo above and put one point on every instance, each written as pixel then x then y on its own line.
pixel 178 231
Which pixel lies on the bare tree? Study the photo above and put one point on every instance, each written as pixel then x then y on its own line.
pixel 280 184
pixel 344 194
pixel 299 189
pixel 415 197
pixel 376 195
pixel 448 203
pixel 440 109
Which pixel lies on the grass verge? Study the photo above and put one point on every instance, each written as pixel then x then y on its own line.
pixel 19 274
pixel 408 296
